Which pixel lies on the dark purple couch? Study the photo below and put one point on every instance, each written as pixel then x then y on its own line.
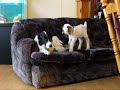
pixel 40 70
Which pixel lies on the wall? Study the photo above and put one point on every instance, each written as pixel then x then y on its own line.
pixel 51 8
pixel 69 8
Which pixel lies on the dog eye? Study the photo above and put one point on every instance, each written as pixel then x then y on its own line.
pixel 45 38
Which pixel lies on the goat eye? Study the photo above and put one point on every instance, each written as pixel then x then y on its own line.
pixel 68 27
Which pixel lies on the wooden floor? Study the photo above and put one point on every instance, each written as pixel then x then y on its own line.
pixel 9 81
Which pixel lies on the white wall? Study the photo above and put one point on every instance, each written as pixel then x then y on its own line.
pixel 69 8
pixel 51 8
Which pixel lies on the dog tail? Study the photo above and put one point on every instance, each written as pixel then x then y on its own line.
pixel 85 24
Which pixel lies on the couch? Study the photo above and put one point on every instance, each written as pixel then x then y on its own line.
pixel 40 70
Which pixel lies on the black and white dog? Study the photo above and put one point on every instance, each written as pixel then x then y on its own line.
pixel 43 42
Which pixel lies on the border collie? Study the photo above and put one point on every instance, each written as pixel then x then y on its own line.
pixel 43 42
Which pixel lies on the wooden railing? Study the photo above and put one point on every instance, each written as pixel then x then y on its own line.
pixel 111 12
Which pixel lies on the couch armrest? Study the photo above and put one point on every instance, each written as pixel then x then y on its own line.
pixel 21 58
pixel 57 57
pixel 25 47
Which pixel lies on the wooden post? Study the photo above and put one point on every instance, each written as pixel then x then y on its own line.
pixel 111 33
pixel 117 2
pixel 81 5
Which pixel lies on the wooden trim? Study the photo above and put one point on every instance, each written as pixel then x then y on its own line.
pixel 82 0
pixel 78 0
pixel 78 9
pixel 83 9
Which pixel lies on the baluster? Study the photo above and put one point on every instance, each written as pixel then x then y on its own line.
pixel 117 2
pixel 111 33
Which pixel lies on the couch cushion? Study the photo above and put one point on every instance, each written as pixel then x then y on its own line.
pixel 97 29
pixel 91 55
pixel 57 57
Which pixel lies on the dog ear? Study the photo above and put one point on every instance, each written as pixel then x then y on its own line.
pixel 70 29
pixel 40 41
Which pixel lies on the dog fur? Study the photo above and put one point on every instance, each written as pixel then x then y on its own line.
pixel 43 42
pixel 57 44
pixel 46 46
pixel 76 32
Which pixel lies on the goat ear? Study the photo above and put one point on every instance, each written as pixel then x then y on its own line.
pixel 85 24
pixel 70 29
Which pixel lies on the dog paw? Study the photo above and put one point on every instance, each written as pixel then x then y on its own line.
pixel 47 53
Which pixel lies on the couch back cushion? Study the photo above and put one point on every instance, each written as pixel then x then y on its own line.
pixel 97 29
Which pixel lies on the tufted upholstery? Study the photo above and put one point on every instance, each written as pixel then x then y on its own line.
pixel 40 70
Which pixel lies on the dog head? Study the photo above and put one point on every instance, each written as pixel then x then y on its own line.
pixel 67 29
pixel 43 39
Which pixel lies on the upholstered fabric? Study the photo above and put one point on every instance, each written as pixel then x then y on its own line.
pixel 40 70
